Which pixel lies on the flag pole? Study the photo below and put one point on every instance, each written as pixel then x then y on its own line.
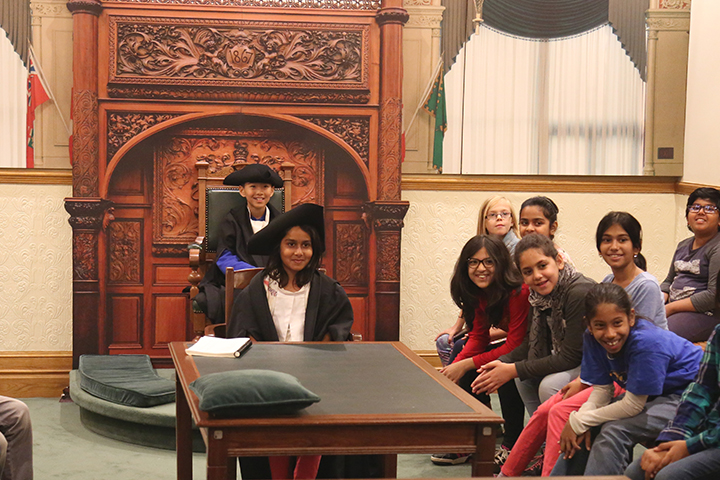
pixel 425 94
pixel 46 85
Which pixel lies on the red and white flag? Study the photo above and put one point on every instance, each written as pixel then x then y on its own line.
pixel 36 96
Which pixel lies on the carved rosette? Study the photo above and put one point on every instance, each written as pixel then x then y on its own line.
pixel 85 143
pixel 86 218
pixel 387 220
pixel 92 7
pixel 122 127
pixel 390 149
pixel 355 131
pixel 350 257
pixel 125 249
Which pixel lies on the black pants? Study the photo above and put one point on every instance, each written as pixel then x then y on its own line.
pixel 511 404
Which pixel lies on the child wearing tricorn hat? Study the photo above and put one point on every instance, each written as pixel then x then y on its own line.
pixel 291 301
pixel 256 183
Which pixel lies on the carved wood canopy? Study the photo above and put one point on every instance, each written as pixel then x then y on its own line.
pixel 242 58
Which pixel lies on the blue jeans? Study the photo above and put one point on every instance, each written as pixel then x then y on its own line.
pixel 612 448
pixel 703 465
pixel 447 352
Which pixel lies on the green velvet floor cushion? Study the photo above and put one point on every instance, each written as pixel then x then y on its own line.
pixel 240 393
pixel 125 380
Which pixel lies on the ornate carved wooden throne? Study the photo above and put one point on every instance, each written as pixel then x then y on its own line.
pixel 160 84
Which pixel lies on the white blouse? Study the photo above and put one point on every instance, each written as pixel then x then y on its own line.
pixel 287 310
pixel 258 225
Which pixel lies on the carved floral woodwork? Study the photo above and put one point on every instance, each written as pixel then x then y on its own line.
pixel 85 143
pixel 237 53
pixel 387 220
pixel 87 217
pixel 324 4
pixel 355 131
pixel 388 257
pixel 123 126
pixel 125 249
pixel 350 256
pixel 230 94
pixel 176 191
pixel 389 152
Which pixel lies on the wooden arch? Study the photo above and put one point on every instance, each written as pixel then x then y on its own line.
pixel 141 75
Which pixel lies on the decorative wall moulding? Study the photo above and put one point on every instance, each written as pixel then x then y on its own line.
pixel 319 4
pixel 668 20
pixel 424 17
pixel 675 4
pixel 244 59
pixel 49 9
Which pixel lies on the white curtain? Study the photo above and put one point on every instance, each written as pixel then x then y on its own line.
pixel 13 105
pixel 567 106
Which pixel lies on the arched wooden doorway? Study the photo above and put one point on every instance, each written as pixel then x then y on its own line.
pixel 323 80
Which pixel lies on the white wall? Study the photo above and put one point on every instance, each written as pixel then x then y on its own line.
pixel 438 224
pixel 35 268
pixel 702 141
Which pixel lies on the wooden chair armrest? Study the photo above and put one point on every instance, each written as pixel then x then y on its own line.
pixel 216 330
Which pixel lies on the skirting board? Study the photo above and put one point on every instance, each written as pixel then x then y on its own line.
pixel 46 374
pixel 34 374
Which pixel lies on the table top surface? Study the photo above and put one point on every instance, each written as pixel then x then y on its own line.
pixel 358 383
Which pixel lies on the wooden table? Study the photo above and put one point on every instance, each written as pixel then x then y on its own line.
pixel 377 398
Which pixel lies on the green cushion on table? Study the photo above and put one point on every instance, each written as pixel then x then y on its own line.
pixel 125 380
pixel 251 393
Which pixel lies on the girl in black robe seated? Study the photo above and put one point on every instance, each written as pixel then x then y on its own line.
pixel 291 301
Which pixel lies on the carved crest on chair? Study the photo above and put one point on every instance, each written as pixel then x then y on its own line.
pixel 175 208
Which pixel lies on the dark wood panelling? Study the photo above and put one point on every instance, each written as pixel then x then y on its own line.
pixel 171 275
pixel 170 319
pixel 126 314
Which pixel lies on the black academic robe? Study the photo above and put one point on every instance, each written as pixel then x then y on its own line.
pixel 235 231
pixel 328 311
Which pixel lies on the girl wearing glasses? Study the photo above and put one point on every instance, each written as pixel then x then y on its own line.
pixel 498 219
pixel 549 357
pixel 689 287
pixel 488 289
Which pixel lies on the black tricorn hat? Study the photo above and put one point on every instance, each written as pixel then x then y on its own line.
pixel 264 241
pixel 254 173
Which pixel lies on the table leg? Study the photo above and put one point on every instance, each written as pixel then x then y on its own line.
pixel 183 434
pixel 389 466
pixel 219 465
pixel 482 464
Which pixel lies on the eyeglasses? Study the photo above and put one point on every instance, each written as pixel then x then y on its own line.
pixel 492 216
pixel 474 263
pixel 708 209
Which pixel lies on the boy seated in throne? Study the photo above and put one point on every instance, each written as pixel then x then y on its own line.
pixel 256 183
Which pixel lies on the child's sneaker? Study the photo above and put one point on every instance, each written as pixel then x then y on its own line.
pixel 449 458
pixel 501 454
